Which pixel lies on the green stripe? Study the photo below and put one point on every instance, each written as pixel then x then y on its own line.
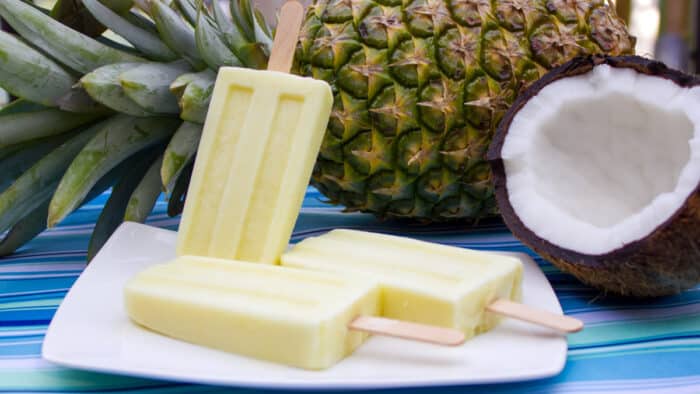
pixel 60 379
pixel 625 330
pixel 51 302
pixel 629 352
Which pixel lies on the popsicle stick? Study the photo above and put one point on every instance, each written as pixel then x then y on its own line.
pixel 526 313
pixel 286 37
pixel 407 330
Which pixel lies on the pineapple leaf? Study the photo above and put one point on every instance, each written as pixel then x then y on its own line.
pixel 118 138
pixel 176 202
pixel 73 13
pixel 188 9
pixel 75 50
pixel 262 24
pixel 144 197
pixel 179 153
pixel 25 155
pixel 242 15
pixel 112 214
pixel 176 33
pixel 251 54
pixel 34 223
pixel 27 73
pixel 20 106
pixel 103 86
pixel 79 101
pixel 27 126
pixel 145 41
pixel 262 32
pixel 8 151
pixel 194 102
pixel 179 85
pixel 37 184
pixel 119 46
pixel 211 45
pixel 140 21
pixel 25 230
pixel 148 85
pixel 231 32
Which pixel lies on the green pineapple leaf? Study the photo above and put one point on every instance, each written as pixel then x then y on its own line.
pixel 118 139
pixel 27 126
pixel 188 9
pixel 144 40
pixel 196 96
pixel 25 155
pixel 176 202
pixel 212 46
pixel 179 153
pixel 103 86
pixel 72 48
pixel 25 230
pixel 29 74
pixel 176 33
pixel 144 197
pixel 19 106
pixel 36 185
pixel 112 214
pixel 148 85
pixel 74 14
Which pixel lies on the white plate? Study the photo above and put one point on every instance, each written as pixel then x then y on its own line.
pixel 92 331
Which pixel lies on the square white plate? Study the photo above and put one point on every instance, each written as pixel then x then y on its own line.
pixel 92 331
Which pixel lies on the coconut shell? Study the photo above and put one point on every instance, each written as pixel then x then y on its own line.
pixel 664 262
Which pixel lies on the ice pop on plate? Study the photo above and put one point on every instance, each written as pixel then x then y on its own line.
pixel 426 282
pixel 285 315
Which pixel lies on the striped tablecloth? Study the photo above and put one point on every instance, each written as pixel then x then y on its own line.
pixel 627 347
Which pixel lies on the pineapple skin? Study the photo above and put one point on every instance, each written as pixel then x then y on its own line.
pixel 420 86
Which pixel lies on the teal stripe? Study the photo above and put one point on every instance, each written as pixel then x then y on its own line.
pixel 626 331
pixel 64 380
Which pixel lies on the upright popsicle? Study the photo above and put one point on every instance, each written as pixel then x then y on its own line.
pixel 425 282
pixel 260 141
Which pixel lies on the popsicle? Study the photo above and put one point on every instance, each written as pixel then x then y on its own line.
pixel 426 282
pixel 284 315
pixel 261 137
pixel 303 318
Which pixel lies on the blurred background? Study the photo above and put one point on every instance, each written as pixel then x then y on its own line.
pixel 667 30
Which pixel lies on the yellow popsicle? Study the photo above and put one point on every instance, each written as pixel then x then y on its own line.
pixel 285 315
pixel 258 148
pixel 420 281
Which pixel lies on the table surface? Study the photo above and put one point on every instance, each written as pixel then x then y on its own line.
pixel 627 347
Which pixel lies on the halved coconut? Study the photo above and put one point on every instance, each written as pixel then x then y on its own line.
pixel 597 168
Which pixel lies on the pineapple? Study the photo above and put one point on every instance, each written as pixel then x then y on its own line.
pixel 419 87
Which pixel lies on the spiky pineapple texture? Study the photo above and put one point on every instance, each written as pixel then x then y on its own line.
pixel 420 86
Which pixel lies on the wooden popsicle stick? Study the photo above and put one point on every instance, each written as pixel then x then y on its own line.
pixel 286 37
pixel 529 314
pixel 407 330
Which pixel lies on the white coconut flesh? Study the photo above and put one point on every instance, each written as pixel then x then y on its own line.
pixel 597 161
